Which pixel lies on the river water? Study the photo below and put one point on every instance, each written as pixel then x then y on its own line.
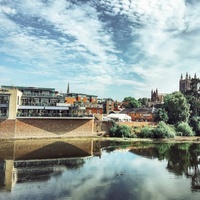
pixel 94 170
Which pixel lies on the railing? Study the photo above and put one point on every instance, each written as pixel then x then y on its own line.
pixel 51 115
pixel 4 102
pixel 38 104
pixel 35 94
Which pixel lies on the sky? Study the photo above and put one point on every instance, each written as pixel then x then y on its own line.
pixel 108 48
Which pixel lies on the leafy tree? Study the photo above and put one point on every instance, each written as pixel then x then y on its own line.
pixel 185 129
pixel 176 107
pixel 195 124
pixel 194 105
pixel 131 102
pixel 161 115
pixel 143 101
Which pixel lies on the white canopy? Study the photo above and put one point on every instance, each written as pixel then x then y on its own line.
pixel 119 117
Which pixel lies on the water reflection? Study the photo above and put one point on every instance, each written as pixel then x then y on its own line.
pixel 98 170
pixel 182 159
pixel 40 160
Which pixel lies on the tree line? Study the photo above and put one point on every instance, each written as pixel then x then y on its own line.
pixel 178 115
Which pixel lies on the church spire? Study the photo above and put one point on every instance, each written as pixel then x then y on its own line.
pixel 68 89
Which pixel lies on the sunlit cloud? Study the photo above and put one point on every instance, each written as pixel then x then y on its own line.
pixel 135 45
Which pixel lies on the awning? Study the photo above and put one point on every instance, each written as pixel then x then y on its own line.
pixel 31 107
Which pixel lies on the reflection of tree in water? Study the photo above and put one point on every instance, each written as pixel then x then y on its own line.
pixel 178 159
pixel 182 159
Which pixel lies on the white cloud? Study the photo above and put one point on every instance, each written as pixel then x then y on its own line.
pixel 155 40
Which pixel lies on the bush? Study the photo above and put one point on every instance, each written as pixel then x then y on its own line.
pixel 120 131
pixel 185 129
pixel 124 131
pixel 163 131
pixel 146 132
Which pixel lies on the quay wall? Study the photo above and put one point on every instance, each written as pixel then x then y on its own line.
pixel 25 128
pixel 46 128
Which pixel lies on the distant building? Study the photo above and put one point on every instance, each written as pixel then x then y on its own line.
pixel 32 102
pixel 156 98
pixel 72 98
pixel 185 84
pixel 188 83
pixel 139 114
pixel 108 105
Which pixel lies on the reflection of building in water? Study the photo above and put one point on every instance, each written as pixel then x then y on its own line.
pixel 39 160
pixel 8 175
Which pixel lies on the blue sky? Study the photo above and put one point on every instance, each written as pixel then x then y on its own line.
pixel 109 48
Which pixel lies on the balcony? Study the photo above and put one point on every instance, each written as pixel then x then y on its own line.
pixel 38 95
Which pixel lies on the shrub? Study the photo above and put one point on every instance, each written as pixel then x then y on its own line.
pixel 135 130
pixel 113 130
pixel 163 131
pixel 185 129
pixel 146 132
pixel 120 131
pixel 124 131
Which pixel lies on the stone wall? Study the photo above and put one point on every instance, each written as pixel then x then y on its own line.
pixel 57 128
pixel 104 126
pixel 46 128
pixel 7 129
pixel 138 124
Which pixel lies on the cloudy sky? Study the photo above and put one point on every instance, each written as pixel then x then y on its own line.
pixel 109 48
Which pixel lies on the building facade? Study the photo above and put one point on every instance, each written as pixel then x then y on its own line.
pixel 36 102
pixel 140 114
pixel 10 100
pixel 72 98
pixel 188 84
pixel 185 83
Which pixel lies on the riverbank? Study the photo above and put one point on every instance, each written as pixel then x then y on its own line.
pixel 177 139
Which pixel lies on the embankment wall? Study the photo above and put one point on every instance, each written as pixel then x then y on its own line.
pixel 25 128
pixel 46 128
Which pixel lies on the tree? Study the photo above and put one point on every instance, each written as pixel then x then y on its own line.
pixel 143 101
pixel 176 107
pixel 161 115
pixel 195 124
pixel 194 105
pixel 131 102
pixel 194 88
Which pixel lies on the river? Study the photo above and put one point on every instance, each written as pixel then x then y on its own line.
pixel 95 170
